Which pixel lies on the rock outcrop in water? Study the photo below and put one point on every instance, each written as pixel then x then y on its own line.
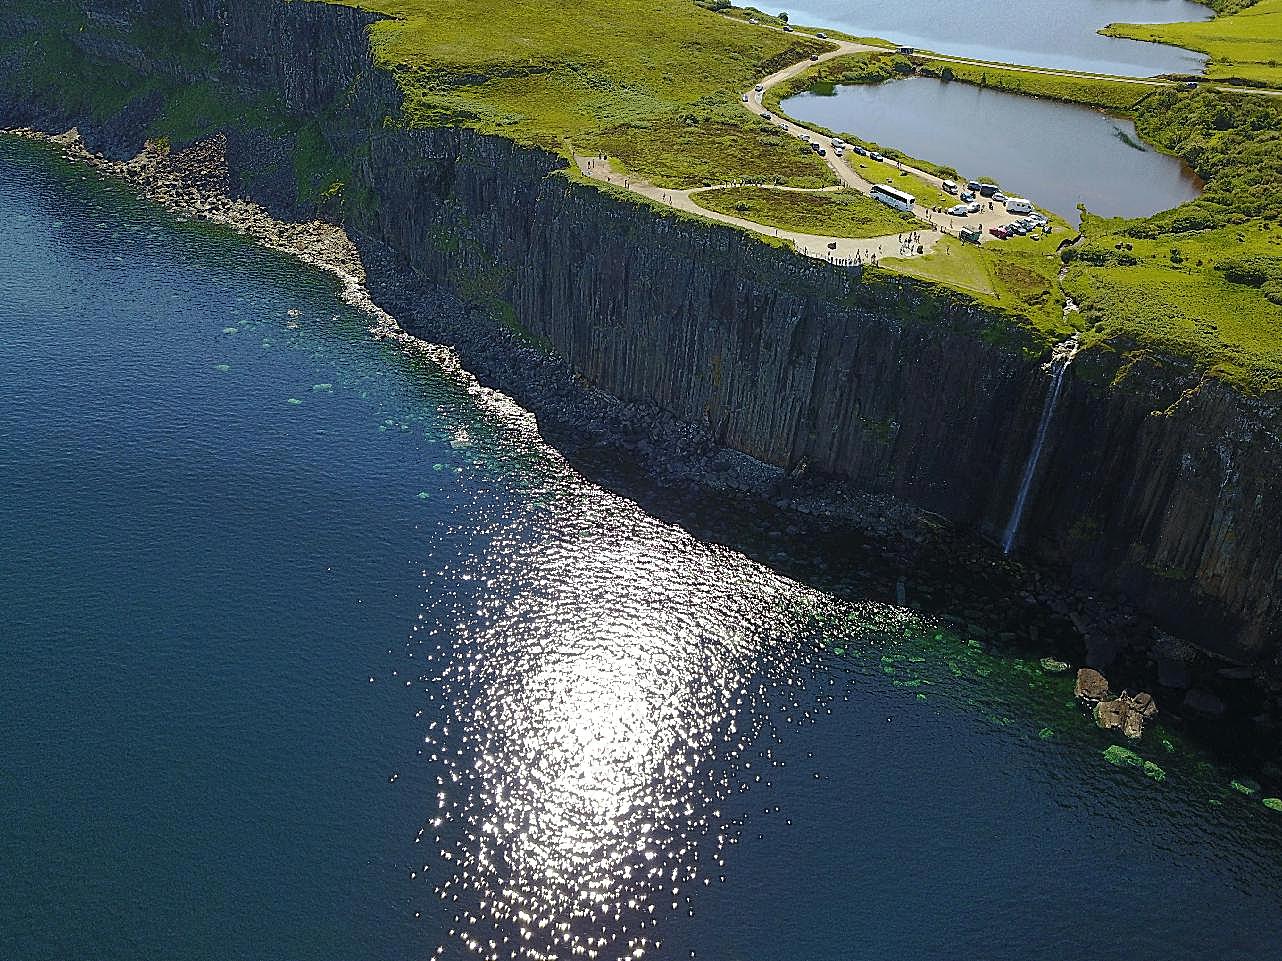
pixel 1150 482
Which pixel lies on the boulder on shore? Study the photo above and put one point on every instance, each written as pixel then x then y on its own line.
pixel 1126 714
pixel 1091 686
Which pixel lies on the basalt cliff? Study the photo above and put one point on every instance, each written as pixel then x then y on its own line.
pixel 1152 483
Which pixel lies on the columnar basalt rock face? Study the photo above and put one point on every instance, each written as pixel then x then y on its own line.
pixel 1149 484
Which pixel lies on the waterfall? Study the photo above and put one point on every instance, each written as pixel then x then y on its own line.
pixel 1060 360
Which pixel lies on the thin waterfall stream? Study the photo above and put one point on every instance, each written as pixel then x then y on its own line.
pixel 1061 358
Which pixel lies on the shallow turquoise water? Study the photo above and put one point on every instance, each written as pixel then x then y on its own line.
pixel 374 675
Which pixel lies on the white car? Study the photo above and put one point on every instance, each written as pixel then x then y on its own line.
pixel 960 210
pixel 758 88
pixel 974 206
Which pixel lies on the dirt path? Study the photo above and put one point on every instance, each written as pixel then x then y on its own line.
pixel 844 250
pixel 839 250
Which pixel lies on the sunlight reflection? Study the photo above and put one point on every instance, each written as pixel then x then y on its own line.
pixel 593 725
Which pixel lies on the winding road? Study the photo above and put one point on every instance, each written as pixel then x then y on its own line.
pixel 917 240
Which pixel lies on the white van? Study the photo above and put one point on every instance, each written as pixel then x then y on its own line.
pixel 1018 205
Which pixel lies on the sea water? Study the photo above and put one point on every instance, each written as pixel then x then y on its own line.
pixel 310 650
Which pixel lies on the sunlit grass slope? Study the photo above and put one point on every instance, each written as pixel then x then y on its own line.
pixel 843 213
pixel 1244 45
pixel 654 84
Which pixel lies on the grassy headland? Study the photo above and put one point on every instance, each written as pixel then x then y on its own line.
pixel 842 213
pixel 654 85
pixel 1244 41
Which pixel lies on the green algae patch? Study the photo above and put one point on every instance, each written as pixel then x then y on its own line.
pixel 1273 804
pixel 1245 785
pixel 1120 756
pixel 222 368
pixel 1151 770
pixel 293 402
pixel 1046 734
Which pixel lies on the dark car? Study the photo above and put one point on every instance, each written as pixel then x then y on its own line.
pixel 987 190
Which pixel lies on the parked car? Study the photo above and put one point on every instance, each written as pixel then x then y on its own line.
pixel 765 116
pixel 876 156
pixel 987 190
pixel 959 210
pixel 967 196
pixel 1000 198
pixel 814 56
pixel 787 29
pixel 837 151
pixel 972 185
pixel 822 36
pixel 950 186
pixel 744 98
pixel 759 88
pixel 822 152
pixel 859 150
pixel 999 232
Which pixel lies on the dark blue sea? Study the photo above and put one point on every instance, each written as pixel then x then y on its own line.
pixel 312 651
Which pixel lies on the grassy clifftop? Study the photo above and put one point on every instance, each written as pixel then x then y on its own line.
pixel 652 83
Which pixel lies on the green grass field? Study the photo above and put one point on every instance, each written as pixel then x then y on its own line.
pixel 1246 45
pixel 844 213
pixel 1019 276
pixel 1187 293
pixel 654 84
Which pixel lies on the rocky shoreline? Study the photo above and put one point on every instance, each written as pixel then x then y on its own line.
pixel 815 529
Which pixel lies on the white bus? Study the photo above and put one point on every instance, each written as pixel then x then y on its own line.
pixel 1018 205
pixel 893 198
